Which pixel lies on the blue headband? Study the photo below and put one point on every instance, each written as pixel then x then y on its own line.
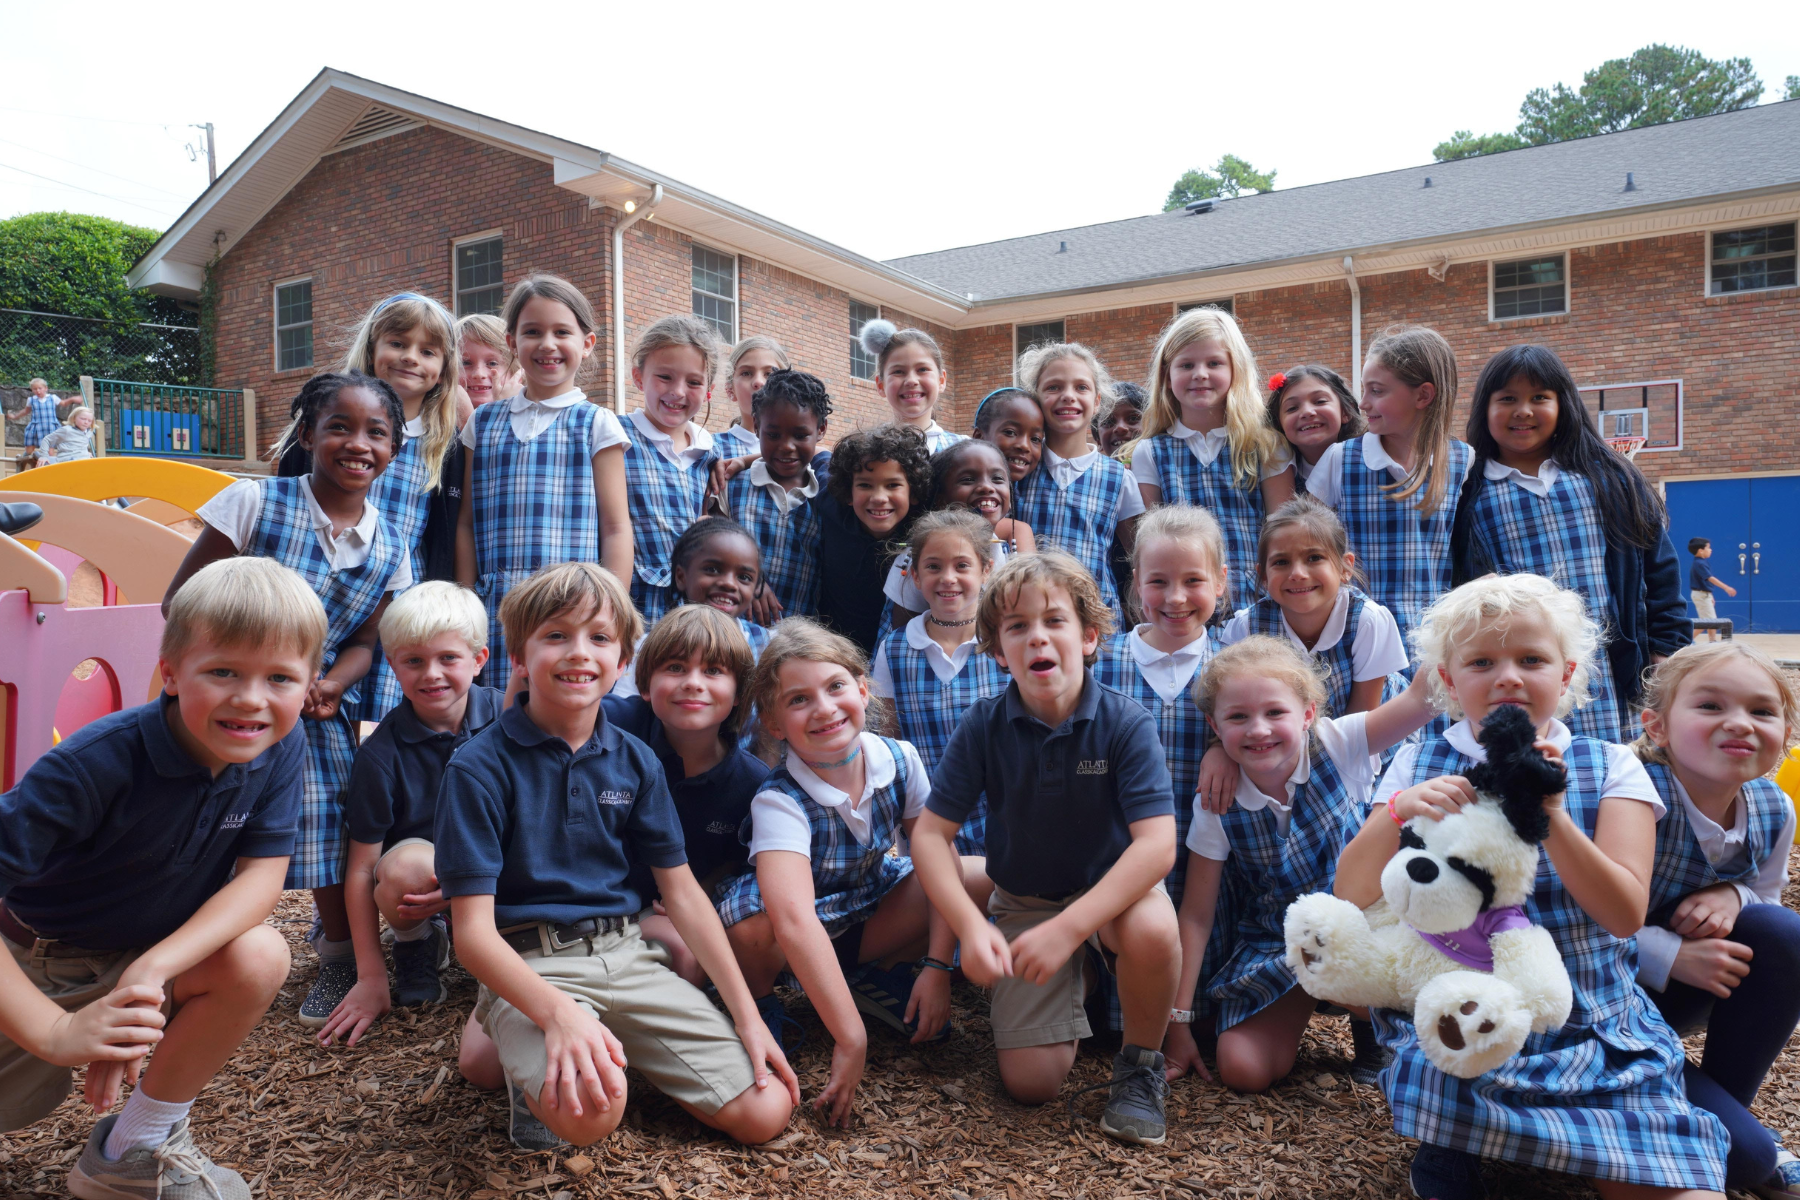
pixel 399 296
pixel 996 392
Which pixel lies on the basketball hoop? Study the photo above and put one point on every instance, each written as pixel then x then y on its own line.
pixel 1628 446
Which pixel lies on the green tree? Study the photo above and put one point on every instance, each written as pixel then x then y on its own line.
pixel 1232 176
pixel 1655 85
pixel 1793 88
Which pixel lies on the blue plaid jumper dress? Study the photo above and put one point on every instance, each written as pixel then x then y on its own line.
pixel 1265 618
pixel 534 505
pixel 941 439
pixel 1558 536
pixel 1404 553
pixel 1267 872
pixel 849 878
pixel 1602 1096
pixel 1079 519
pixel 1681 866
pixel 400 493
pixel 284 532
pixel 42 422
pixel 1239 511
pixel 664 499
pixel 930 710
pixel 735 442
pixel 790 544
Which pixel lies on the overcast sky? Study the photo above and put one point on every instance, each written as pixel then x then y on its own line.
pixel 889 129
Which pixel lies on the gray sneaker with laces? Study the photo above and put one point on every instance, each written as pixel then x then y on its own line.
pixel 525 1130
pixel 1134 1104
pixel 175 1170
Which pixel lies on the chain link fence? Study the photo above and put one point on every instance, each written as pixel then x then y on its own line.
pixel 60 349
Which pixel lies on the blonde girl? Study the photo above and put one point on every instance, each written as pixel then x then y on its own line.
pixel 1076 499
pixel 486 370
pixel 752 361
pixel 1395 488
pixel 909 367
pixel 72 440
pixel 1719 952
pixel 1313 408
pixel 544 476
pixel 1601 1097
pixel 827 900
pixel 1205 440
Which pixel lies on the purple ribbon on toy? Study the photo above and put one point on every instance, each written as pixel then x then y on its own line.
pixel 1470 946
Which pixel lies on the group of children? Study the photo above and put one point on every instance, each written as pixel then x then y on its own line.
pixel 668 718
pixel 48 438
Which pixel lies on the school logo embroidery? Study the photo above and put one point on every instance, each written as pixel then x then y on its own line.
pixel 720 827
pixel 1091 766
pixel 611 796
pixel 234 820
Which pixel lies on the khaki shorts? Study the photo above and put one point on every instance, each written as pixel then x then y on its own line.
pixel 1026 1014
pixel 1703 606
pixel 31 1088
pixel 684 1046
pixel 402 843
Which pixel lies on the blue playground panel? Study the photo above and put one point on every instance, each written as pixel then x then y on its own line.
pixel 145 431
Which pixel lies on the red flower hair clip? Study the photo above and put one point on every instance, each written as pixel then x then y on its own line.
pixel 1277 381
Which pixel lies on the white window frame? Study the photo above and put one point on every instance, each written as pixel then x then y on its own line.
pixel 457 244
pixel 1018 353
pixel 1568 287
pixel 1706 281
pixel 276 326
pixel 874 375
pixel 1680 408
pixel 737 309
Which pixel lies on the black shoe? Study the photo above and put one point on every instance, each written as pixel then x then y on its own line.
pixel 1371 1056
pixel 336 977
pixel 17 517
pixel 1441 1174
pixel 789 1033
pixel 416 969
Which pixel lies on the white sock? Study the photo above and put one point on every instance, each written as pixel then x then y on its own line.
pixel 1782 1154
pixel 417 933
pixel 145 1122
pixel 330 951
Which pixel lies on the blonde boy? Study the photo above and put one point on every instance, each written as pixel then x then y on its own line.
pixel 138 861
pixel 1081 831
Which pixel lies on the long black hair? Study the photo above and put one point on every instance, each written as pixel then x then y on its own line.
pixel 1629 507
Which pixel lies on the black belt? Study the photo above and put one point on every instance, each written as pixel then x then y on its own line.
pixel 560 936
pixel 24 936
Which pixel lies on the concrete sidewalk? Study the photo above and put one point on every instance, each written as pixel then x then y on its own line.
pixel 1784 648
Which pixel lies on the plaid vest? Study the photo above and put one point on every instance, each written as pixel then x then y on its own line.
pixel 1079 519
pixel 534 501
pixel 1239 511
pixel 1265 618
pixel 789 541
pixel 1681 866
pixel 400 493
pixel 664 499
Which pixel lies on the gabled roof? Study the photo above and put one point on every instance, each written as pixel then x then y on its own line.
pixel 1732 155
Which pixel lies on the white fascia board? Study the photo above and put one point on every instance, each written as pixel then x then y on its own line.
pixel 166 277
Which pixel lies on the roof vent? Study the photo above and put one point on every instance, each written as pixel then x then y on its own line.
pixel 1630 183
pixel 376 122
pixel 1428 181
pixel 1200 206
pixel 1062 247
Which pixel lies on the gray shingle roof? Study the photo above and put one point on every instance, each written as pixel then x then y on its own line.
pixel 1683 162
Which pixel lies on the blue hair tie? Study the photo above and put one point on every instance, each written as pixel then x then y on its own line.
pixel 976 424
pixel 399 296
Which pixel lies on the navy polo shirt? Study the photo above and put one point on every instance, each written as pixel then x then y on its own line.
pixel 712 805
pixel 394 781
pixel 1699 575
pixel 553 834
pixel 116 837
pixel 1060 801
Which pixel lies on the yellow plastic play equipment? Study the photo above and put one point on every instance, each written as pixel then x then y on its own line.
pixel 183 485
pixel 1787 777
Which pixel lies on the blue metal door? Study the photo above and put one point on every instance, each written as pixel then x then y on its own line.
pixel 1774 569
pixel 1717 509
pixel 1754 525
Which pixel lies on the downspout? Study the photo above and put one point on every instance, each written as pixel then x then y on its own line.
pixel 1355 328
pixel 634 213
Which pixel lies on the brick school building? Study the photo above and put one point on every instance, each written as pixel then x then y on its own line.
pixel 1659 263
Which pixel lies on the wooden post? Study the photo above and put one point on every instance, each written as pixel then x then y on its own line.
pixel 87 392
pixel 250 447
pixel 99 438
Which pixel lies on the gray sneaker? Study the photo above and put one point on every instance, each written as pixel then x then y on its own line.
pixel 525 1130
pixel 175 1170
pixel 336 977
pixel 1134 1105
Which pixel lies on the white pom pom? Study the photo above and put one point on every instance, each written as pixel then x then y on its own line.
pixel 877 334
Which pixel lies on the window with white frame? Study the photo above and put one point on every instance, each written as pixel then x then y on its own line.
pixel 1223 306
pixel 1531 287
pixel 715 291
pixel 862 363
pixel 1027 336
pixel 1748 260
pixel 293 325
pixel 479 284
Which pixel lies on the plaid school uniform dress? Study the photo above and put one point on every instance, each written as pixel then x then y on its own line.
pixel 534 505
pixel 1267 872
pixel 849 878
pixel 789 541
pixel 937 438
pixel 1079 519
pixel 664 499
pixel 1266 618
pixel 735 442
pixel 42 422
pixel 1681 866
pixel 400 493
pixel 1602 1096
pixel 930 710
pixel 1558 536
pixel 1404 553
pixel 1239 511
pixel 284 532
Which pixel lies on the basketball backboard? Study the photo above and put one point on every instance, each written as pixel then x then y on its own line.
pixel 1650 410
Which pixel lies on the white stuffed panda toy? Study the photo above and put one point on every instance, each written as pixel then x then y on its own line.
pixel 1449 940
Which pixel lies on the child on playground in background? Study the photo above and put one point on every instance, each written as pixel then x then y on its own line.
pixel 544 478
pixel 770 499
pixel 546 822
pixel 1081 832
pixel 1546 496
pixel 324 526
pixel 70 441
pixel 909 368
pixel 827 900
pixel 435 636
pixel 1701 582
pixel 668 454
pixel 486 369
pixel 930 667
pixel 1077 500
pixel 1719 952
pixel 1313 408
pixel 691 706
pixel 1205 440
pixel 1601 1097
pixel 1395 488
pixel 751 363
pixel 973 475
pixel 40 420
pixel 1302 791
pixel 1122 422
pixel 877 486
pixel 139 862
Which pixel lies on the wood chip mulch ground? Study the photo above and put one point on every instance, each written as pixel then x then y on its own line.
pixel 392 1118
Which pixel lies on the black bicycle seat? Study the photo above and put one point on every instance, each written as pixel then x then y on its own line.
pixel 19 516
